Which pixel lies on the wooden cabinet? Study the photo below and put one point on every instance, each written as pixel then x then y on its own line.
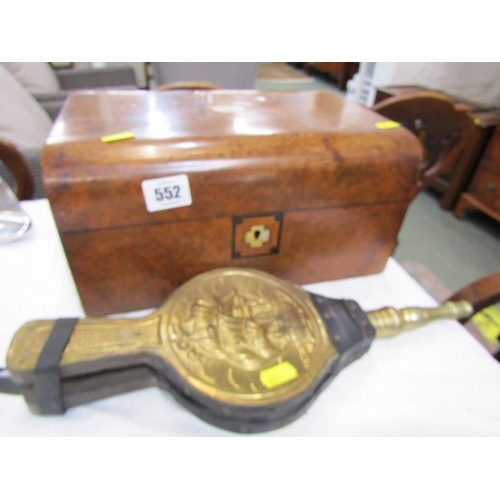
pixel 454 182
pixel 483 191
pixel 341 72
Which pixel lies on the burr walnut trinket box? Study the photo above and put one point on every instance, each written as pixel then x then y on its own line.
pixel 303 185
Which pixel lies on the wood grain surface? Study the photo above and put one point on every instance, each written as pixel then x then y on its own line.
pixel 340 185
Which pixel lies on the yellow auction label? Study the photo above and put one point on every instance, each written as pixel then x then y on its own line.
pixel 387 124
pixel 277 375
pixel 488 322
pixel 122 136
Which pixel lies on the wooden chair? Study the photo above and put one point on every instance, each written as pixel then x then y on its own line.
pixel 481 293
pixel 18 168
pixel 444 130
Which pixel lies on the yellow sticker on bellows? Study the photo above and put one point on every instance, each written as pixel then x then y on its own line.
pixel 122 136
pixel 277 375
pixel 387 124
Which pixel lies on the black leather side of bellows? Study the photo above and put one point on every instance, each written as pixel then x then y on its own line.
pixel 345 321
pixel 47 381
pixel 7 385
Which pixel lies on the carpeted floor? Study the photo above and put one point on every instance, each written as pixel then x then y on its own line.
pixel 282 72
pixel 282 76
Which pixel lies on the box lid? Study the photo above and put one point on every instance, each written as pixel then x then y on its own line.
pixel 241 152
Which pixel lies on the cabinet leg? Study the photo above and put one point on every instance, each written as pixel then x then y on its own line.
pixel 461 207
pixel 447 201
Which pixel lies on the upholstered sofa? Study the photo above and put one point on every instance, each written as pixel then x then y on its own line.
pixel 31 96
pixel 122 78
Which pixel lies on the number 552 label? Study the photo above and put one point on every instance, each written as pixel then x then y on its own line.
pixel 166 193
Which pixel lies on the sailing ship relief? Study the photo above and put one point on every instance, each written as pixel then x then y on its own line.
pixel 244 326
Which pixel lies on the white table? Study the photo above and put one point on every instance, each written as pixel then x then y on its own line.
pixel 433 381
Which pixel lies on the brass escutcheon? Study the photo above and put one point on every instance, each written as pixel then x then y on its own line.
pixel 257 236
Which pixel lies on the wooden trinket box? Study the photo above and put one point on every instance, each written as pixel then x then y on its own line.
pixel 303 185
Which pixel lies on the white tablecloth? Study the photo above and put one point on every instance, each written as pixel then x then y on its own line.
pixel 433 381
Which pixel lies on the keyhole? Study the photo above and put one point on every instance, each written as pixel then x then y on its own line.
pixel 257 236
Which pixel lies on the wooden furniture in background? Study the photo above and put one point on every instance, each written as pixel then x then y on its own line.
pixel 481 293
pixel 17 167
pixel 342 72
pixel 454 180
pixel 483 191
pixel 443 130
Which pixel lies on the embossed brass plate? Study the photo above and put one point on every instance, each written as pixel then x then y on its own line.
pixel 226 328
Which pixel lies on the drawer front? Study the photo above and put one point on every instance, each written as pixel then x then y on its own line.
pixel 487 164
pixel 493 151
pixel 486 187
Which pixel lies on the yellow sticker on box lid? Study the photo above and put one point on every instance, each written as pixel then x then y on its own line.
pixel 387 124
pixel 277 375
pixel 121 136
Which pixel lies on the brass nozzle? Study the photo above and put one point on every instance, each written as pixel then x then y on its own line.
pixel 389 322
